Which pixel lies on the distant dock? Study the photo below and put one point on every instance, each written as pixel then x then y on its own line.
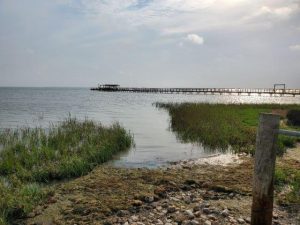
pixel 220 91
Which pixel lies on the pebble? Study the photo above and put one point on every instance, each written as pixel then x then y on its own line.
pixel 206 210
pixel 149 199
pixel 225 213
pixel 205 205
pixel 194 222
pixel 231 195
pixel 212 217
pixel 159 222
pixel 240 220
pixel 122 213
pixel 248 219
pixel 134 218
pixel 171 209
pixel 196 208
pixel 190 214
pixel 207 222
pixel 137 203
pixel 175 210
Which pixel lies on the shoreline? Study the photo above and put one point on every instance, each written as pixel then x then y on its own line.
pixel 215 189
pixel 200 193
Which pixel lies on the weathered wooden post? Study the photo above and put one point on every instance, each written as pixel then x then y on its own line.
pixel 263 180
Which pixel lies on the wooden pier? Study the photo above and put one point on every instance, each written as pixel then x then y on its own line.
pixel 239 91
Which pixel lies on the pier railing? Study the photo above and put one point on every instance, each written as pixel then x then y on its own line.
pixel 239 91
pixel 264 168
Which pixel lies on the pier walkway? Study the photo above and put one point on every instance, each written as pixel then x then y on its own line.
pixel 238 91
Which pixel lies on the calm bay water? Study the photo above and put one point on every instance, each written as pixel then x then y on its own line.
pixel 155 144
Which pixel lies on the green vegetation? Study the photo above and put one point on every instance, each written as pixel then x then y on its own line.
pixel 30 157
pixel 234 127
pixel 286 175
pixel 221 126
pixel 18 199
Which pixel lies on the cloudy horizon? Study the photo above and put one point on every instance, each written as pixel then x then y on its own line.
pixel 150 43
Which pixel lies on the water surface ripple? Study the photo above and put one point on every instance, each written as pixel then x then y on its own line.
pixel 155 144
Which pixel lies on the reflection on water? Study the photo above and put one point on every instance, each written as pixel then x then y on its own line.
pixel 155 144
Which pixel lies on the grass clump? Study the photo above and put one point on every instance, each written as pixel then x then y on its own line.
pixel 223 126
pixel 17 199
pixel 68 150
pixel 289 178
pixel 29 157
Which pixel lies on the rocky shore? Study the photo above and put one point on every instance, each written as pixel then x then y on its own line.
pixel 189 193
pixel 192 206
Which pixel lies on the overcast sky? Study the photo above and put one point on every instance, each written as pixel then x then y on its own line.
pixel 154 43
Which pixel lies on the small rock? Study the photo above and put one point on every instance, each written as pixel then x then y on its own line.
pixel 240 220
pixel 137 203
pixel 122 213
pixel 248 219
pixel 149 199
pixel 204 217
pixel 205 205
pixel 231 219
pixel 165 205
pixel 275 216
pixel 198 213
pixel 196 208
pixel 171 209
pixel 231 195
pixel 159 222
pixel 225 213
pixel 134 218
pixel 174 199
pixel 212 217
pixel 190 214
pixel 194 222
pixel 187 200
pixel 179 218
pixel 206 210
pixel 207 222
pixel 161 192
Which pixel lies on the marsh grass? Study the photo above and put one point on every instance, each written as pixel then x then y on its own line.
pixel 234 127
pixel 30 157
pixel 286 175
pixel 222 126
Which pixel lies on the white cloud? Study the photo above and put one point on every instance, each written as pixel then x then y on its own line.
pixel 272 13
pixel 125 38
pixel 195 39
pixel 294 47
pixel 187 16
